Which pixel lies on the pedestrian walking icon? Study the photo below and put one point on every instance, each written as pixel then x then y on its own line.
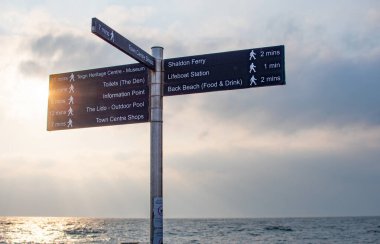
pixel 71 89
pixel 71 100
pixel 252 68
pixel 70 123
pixel 112 38
pixel 253 81
pixel 252 55
pixel 70 112
pixel 72 77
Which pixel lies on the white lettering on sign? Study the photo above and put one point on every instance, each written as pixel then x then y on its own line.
pixel 110 83
pixel 101 108
pixel 121 106
pixel 105 31
pixel 97 74
pixel 272 66
pixel 60 124
pixel 90 109
pixel 62 79
pixel 138 81
pixel 198 61
pixel 102 120
pixel 114 72
pixel 149 60
pixel 132 70
pixel 138 104
pixel 178 76
pixel 58 113
pixel 209 85
pixel 270 79
pixel 136 92
pixel 199 73
pixel 191 87
pixel 136 117
pixel 118 119
pixel 174 88
pixel 140 54
pixel 270 53
pixel 180 63
pixel 125 82
pixel 133 81
pixel 60 90
pixel 82 77
pixel 233 82
pixel 116 95
pixel 60 101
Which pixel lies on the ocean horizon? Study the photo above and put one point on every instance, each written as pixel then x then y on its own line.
pixel 357 229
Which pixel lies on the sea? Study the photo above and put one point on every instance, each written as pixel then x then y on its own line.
pixel 246 230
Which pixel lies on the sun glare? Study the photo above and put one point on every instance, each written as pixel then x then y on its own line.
pixel 34 230
pixel 29 100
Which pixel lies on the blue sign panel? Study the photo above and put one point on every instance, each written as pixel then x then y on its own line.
pixel 248 68
pixel 98 97
pixel 120 42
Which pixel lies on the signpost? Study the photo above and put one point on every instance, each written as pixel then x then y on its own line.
pixel 98 97
pixel 134 93
pixel 225 71
pixel 156 124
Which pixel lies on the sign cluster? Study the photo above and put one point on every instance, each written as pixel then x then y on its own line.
pixel 120 94
pixel 98 97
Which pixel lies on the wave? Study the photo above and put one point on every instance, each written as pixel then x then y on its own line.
pixel 278 228
pixel 83 231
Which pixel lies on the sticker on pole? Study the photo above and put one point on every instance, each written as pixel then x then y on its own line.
pixel 157 212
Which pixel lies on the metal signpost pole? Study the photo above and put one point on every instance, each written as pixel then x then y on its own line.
pixel 156 104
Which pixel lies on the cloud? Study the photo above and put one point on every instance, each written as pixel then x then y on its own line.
pixel 308 148
pixel 63 53
pixel 46 46
pixel 65 186
pixel 59 197
pixel 241 183
pixel 330 65
pixel 339 91
pixel 121 15
pixel 70 48
pixel 32 68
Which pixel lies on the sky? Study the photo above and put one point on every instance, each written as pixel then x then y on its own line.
pixel 310 148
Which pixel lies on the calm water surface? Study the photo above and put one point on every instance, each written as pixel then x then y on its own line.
pixel 270 230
